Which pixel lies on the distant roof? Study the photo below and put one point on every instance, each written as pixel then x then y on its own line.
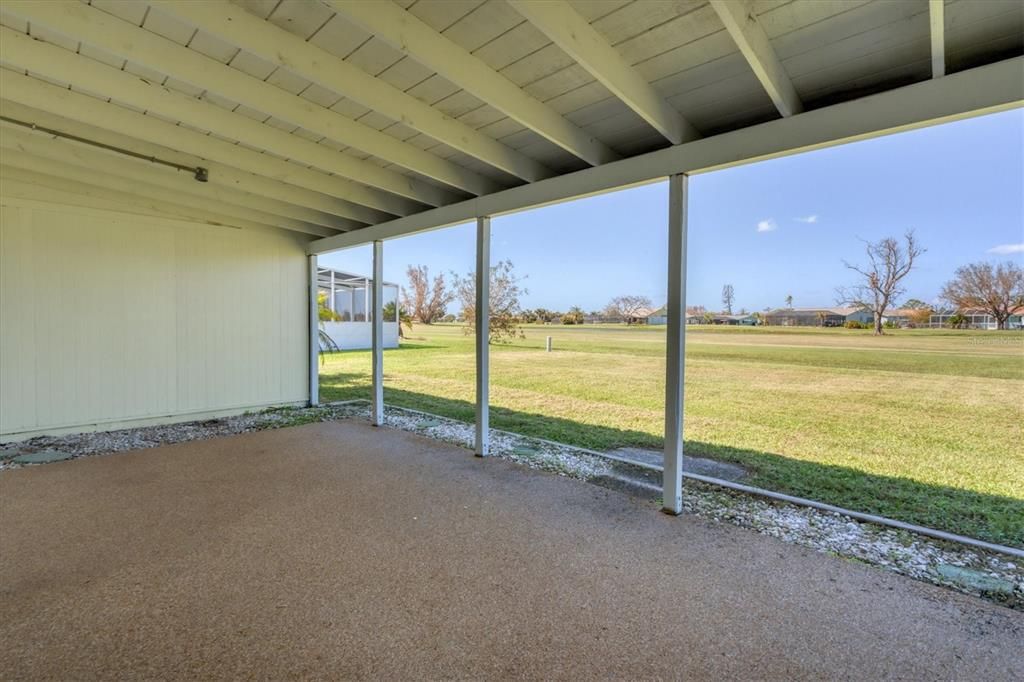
pixel 343 278
pixel 811 311
pixel 1019 310
pixel 838 310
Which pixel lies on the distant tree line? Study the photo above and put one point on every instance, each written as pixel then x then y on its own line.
pixel 994 289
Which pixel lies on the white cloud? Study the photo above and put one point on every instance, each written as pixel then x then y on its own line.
pixel 1007 249
pixel 809 219
pixel 767 225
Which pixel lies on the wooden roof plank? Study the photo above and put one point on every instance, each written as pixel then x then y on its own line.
pixel 753 42
pixel 407 33
pixel 282 49
pixel 127 40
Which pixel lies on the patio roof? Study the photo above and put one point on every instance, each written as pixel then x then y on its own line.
pixel 340 550
pixel 342 279
pixel 355 120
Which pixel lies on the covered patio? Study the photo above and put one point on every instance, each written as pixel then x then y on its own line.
pixel 175 169
pixel 259 131
pixel 340 550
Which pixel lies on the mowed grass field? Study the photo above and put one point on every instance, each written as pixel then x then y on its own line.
pixel 926 426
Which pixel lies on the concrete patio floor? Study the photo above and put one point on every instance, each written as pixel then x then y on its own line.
pixel 337 550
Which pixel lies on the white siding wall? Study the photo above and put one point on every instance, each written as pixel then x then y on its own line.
pixel 109 317
pixel 358 335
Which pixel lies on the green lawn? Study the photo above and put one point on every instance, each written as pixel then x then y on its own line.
pixel 920 425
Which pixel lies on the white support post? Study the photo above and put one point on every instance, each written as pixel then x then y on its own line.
pixel 675 347
pixel 377 415
pixel 483 325
pixel 937 22
pixel 333 307
pixel 314 336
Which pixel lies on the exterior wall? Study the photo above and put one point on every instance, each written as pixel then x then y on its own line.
pixel 110 318
pixel 976 321
pixel 862 316
pixel 804 319
pixel 359 335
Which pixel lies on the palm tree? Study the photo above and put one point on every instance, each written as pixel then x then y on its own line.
pixel 404 318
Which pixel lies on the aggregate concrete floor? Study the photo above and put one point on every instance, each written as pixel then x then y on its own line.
pixel 337 550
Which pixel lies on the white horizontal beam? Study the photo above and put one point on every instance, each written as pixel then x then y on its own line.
pixel 60 150
pixel 741 23
pixel 234 25
pixel 92 76
pixel 983 90
pixel 937 21
pixel 124 39
pixel 405 32
pixel 217 207
pixel 30 184
pixel 576 37
pixel 20 94
pixel 301 204
pixel 88 74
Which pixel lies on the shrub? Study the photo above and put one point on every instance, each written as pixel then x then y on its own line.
pixel 854 324
pixel 957 321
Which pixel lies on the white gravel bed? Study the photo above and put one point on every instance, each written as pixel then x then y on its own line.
pixel 991 575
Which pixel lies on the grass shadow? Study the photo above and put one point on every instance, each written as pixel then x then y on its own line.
pixel 987 517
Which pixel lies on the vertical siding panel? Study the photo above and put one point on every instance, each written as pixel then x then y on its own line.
pixel 110 316
pixel 17 353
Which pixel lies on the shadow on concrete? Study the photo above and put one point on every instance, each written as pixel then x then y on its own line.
pixel 987 517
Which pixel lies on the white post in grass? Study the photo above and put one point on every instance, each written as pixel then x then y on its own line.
pixel 483 325
pixel 377 303
pixel 675 346
pixel 314 336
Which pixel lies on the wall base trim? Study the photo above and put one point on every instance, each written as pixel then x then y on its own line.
pixel 135 422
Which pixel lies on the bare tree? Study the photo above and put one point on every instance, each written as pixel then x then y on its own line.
pixel 505 290
pixel 727 299
pixel 996 289
pixel 889 261
pixel 627 307
pixel 424 299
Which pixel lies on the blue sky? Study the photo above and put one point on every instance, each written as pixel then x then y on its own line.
pixel 770 229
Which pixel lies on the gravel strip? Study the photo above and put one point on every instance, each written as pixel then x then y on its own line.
pixel 975 572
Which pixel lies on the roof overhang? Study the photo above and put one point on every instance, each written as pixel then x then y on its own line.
pixel 976 92
pixel 351 121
